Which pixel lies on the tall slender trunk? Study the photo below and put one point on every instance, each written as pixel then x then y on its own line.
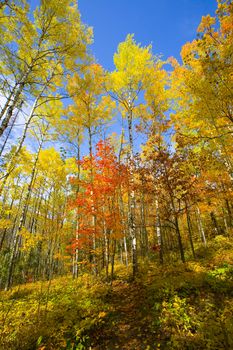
pixel 229 211
pixel 13 99
pixel 93 204
pixel 215 224
pixel 106 248
pixel 126 251
pixel 121 204
pixel 5 230
pixel 132 204
pixel 143 230
pixel 189 224
pixel 10 130
pixel 200 226
pixel 13 160
pixel 8 101
pixel 35 215
pixel 113 258
pixel 42 264
pixel 10 109
pixel 76 253
pixel 179 238
pixel 175 214
pixel 225 223
pixel 22 219
pixel 158 231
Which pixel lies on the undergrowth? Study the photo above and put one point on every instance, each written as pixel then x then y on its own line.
pixel 187 306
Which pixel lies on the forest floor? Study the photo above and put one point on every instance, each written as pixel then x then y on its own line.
pixel 130 321
pixel 172 307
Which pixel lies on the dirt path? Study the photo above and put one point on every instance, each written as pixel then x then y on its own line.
pixel 129 324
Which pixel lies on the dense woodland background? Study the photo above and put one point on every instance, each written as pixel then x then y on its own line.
pixel 141 213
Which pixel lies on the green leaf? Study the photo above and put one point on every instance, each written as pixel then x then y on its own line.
pixel 39 340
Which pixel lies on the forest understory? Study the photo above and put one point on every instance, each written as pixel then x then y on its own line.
pixel 116 196
pixel 184 306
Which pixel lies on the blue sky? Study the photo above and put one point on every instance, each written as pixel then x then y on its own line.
pixel 167 24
